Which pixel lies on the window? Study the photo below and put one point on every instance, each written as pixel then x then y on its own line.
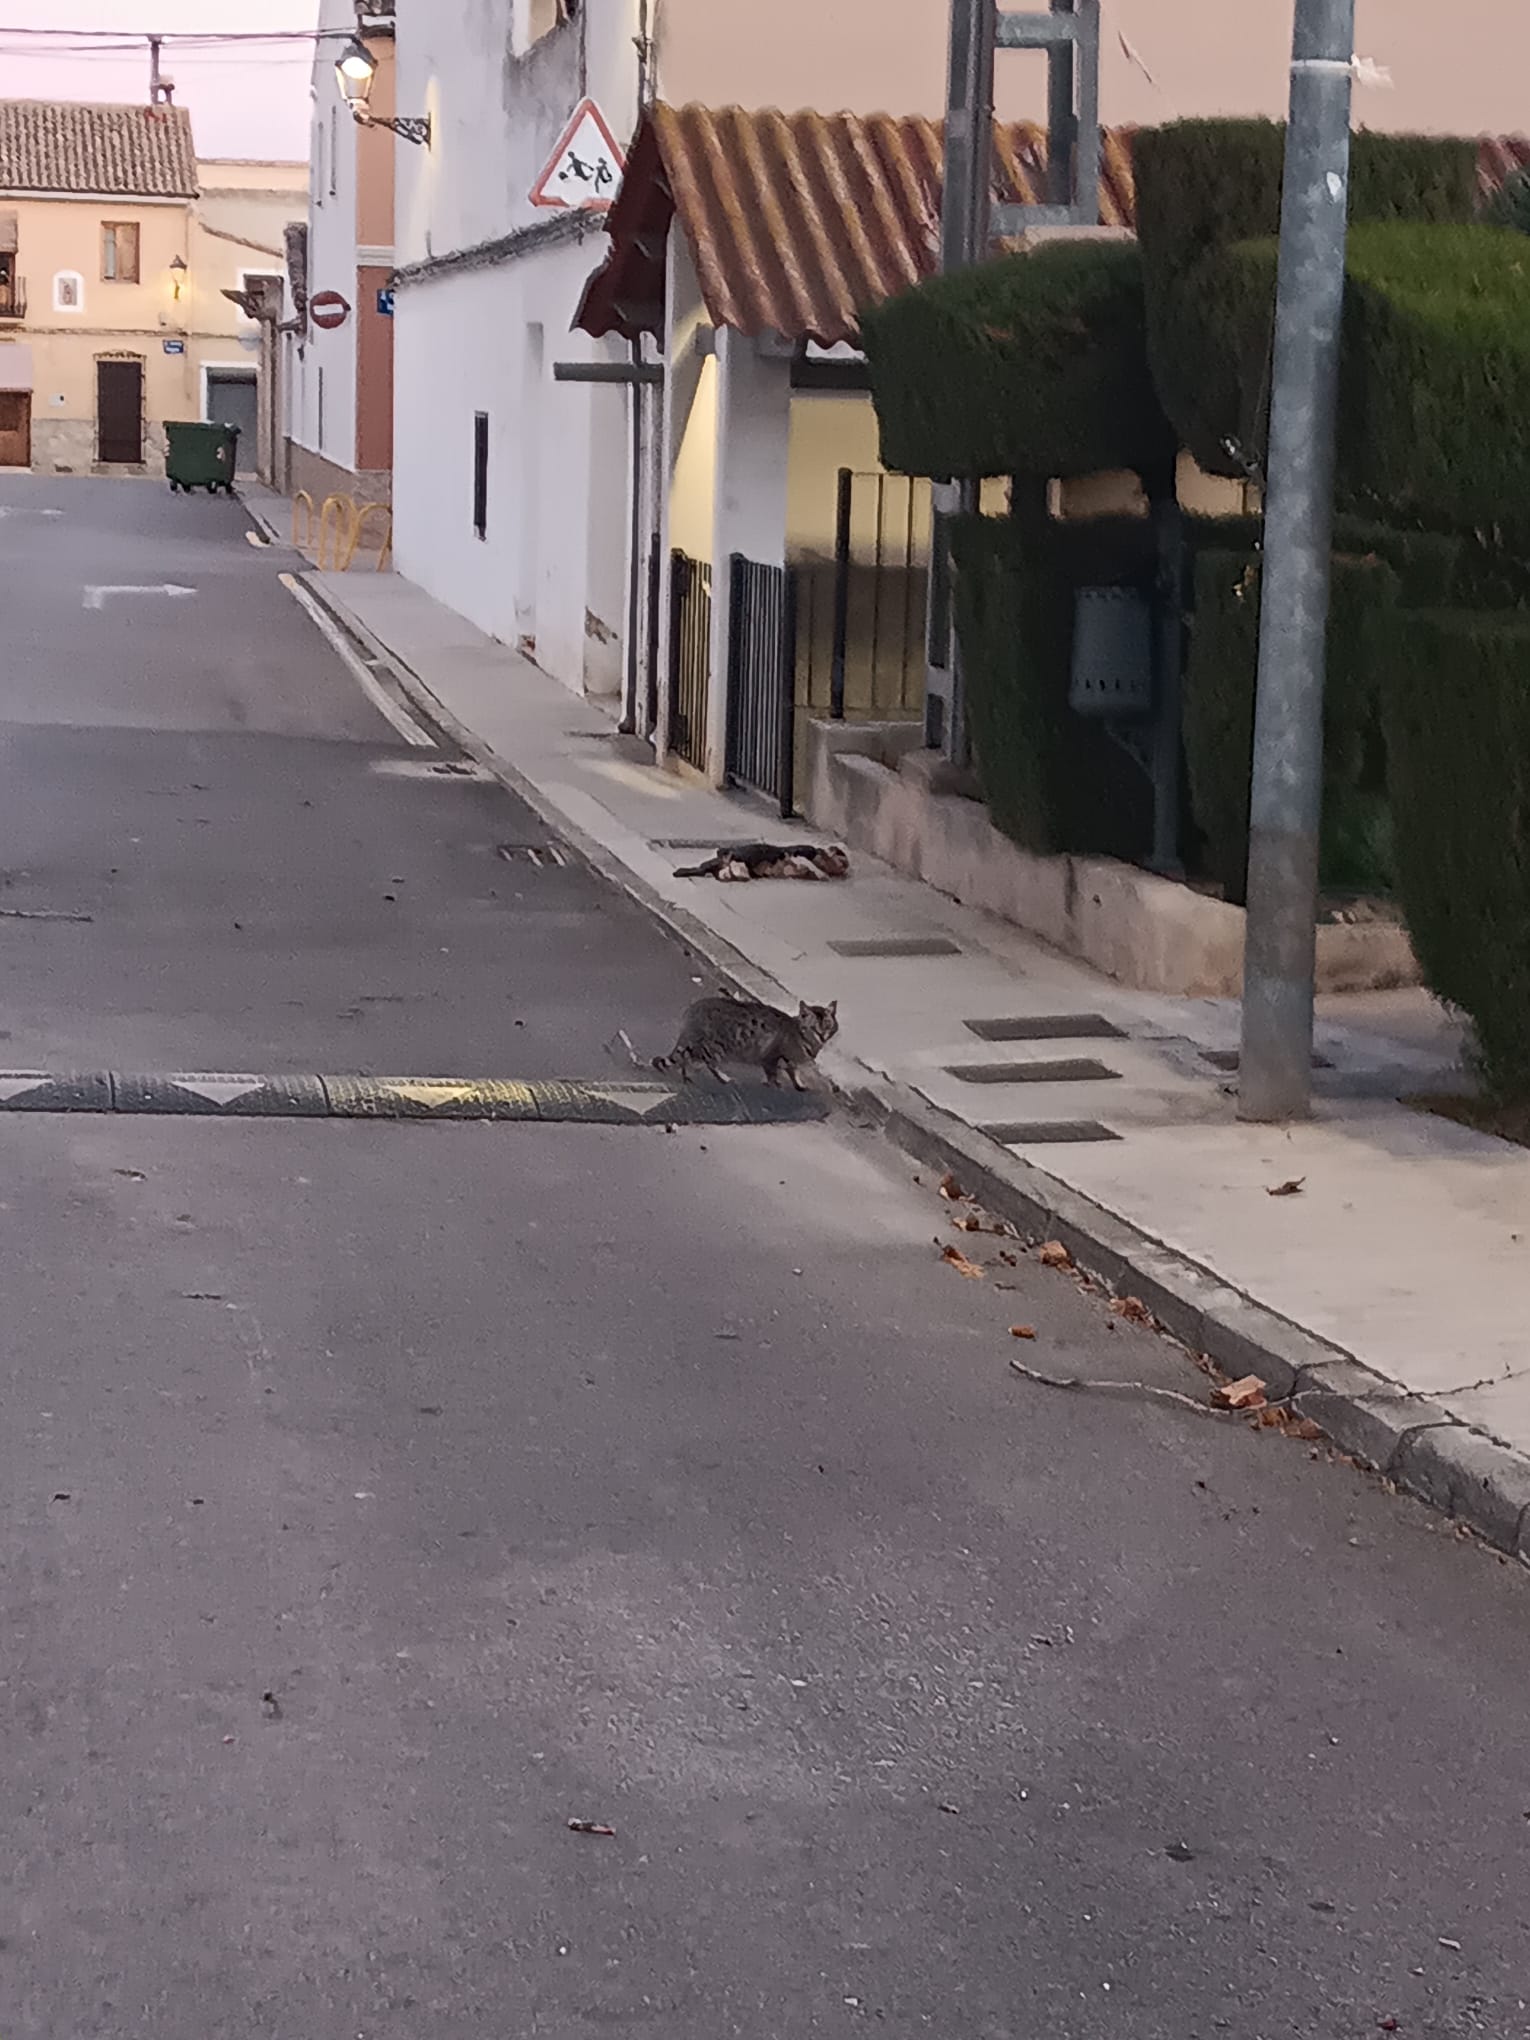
pixel 318 162
pixel 334 150
pixel 68 291
pixel 320 409
pixel 119 252
pixel 481 473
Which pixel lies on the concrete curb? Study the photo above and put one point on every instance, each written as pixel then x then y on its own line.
pixel 1400 1434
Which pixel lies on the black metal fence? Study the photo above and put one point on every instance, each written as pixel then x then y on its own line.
pixel 690 661
pixel 761 677
pixel 861 616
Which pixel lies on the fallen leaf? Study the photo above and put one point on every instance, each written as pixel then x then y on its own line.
pixel 1291 1188
pixel 950 1189
pixel 1022 1331
pixel 1247 1393
pixel 961 1264
pixel 1305 1429
pixel 1132 1308
pixel 590 1827
pixel 1053 1254
pixel 967 1223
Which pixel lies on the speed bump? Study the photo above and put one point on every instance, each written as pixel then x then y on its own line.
pixel 549 1101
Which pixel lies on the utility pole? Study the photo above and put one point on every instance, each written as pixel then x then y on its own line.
pixel 161 89
pixel 1069 32
pixel 1275 1064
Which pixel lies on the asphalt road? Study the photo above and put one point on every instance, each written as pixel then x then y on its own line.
pixel 375 1500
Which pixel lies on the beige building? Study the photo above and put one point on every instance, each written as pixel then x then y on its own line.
pixel 114 261
pixel 238 227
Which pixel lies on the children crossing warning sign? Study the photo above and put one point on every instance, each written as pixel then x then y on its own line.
pixel 585 169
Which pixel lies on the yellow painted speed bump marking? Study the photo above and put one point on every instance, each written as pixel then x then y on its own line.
pixel 436 1094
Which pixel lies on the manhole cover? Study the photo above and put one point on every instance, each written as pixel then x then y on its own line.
pixel 1048 1132
pixel 899 945
pixel 1046 1027
pixel 538 854
pixel 1066 1070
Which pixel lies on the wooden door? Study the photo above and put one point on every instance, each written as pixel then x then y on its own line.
pixel 119 413
pixel 15 428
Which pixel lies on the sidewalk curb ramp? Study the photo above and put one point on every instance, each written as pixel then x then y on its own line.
pixel 1455 1468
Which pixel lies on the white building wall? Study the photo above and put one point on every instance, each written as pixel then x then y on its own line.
pixel 331 256
pixel 551 571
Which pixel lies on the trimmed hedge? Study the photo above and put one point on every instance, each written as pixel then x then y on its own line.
pixel 1434 421
pixel 1220 681
pixel 1203 184
pixel 1207 188
pixel 1510 204
pixel 1052 780
pixel 1458 745
pixel 1033 364
pixel 1437 414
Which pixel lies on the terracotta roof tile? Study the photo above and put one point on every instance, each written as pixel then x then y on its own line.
pixel 795 221
pixel 120 151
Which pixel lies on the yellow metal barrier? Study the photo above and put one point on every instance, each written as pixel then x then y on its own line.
pixel 343 532
pixel 359 526
pixel 302 496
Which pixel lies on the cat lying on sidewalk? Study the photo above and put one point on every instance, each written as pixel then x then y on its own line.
pixel 736 861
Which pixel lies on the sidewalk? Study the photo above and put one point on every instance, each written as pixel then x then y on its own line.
pixel 1407 1248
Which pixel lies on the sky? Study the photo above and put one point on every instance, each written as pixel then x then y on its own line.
pixel 250 101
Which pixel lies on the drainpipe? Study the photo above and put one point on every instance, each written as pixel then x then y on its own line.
pixel 637 566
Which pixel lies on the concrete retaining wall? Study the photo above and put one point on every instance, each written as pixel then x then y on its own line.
pixel 870 785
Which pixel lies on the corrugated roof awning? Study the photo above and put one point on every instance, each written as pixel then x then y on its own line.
pixel 796 221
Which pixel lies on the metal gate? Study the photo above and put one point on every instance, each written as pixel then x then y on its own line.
pixel 761 679
pixel 690 663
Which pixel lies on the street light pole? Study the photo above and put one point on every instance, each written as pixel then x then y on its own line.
pixel 1275 1065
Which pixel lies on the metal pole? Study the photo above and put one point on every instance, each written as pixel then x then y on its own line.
pixel 1062 124
pixel 1275 1068
pixel 844 502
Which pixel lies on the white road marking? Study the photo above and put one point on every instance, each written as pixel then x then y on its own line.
pixel 254 538
pixel 218 1090
pixel 26 510
pixel 95 598
pixel 380 699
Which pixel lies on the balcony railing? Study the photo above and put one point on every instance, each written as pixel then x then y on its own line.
pixel 13 297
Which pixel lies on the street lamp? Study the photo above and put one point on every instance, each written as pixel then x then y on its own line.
pixel 178 272
pixel 356 71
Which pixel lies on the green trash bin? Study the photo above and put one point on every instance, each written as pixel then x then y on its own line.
pixel 201 456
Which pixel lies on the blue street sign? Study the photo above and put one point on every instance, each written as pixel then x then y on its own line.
pixel 175 347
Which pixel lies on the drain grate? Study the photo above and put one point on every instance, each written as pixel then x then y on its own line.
pixel 539 854
pixel 1227 1059
pixel 1048 1132
pixel 1079 1069
pixel 1047 1027
pixel 899 945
